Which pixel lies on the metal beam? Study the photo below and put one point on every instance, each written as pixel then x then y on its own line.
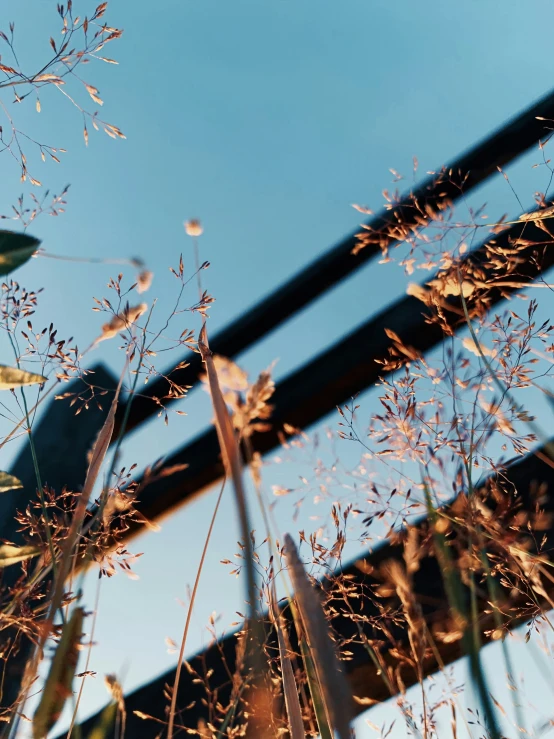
pixel 526 475
pixel 465 173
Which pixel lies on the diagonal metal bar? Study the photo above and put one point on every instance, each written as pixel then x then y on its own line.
pixel 363 577
pixel 330 379
pixel 465 173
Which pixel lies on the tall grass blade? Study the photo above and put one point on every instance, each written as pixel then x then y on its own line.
pixel 97 459
pixel 107 719
pixel 335 689
pixel 321 715
pixel 60 677
pixel 228 443
pixel 290 691
pixel 454 593
pixel 98 453
pixel 231 459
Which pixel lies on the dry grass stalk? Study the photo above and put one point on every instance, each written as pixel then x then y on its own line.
pixel 173 706
pixel 97 458
pixel 290 690
pixel 231 459
pixel 414 620
pixel 98 455
pixel 336 693
pixel 233 465
pixel 60 677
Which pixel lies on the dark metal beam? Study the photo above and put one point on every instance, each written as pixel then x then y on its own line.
pixel 526 475
pixel 471 169
pixel 328 380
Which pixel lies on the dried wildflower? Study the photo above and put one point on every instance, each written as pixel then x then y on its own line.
pixel 122 321
pixel 231 376
pixel 469 343
pixel 248 402
pixel 144 280
pixel 115 690
pixel 448 284
pixel 399 577
pixel 88 36
pixel 193 227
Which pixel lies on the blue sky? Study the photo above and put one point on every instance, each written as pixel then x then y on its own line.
pixel 266 121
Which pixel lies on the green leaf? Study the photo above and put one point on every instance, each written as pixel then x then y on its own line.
pixel 8 482
pixel 290 690
pixel 60 677
pixel 11 377
pixel 325 731
pixel 10 555
pixel 105 722
pixel 15 250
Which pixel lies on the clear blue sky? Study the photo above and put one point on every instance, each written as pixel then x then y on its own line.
pixel 265 120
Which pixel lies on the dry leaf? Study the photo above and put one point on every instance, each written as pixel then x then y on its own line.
pixel 144 280
pixel 123 320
